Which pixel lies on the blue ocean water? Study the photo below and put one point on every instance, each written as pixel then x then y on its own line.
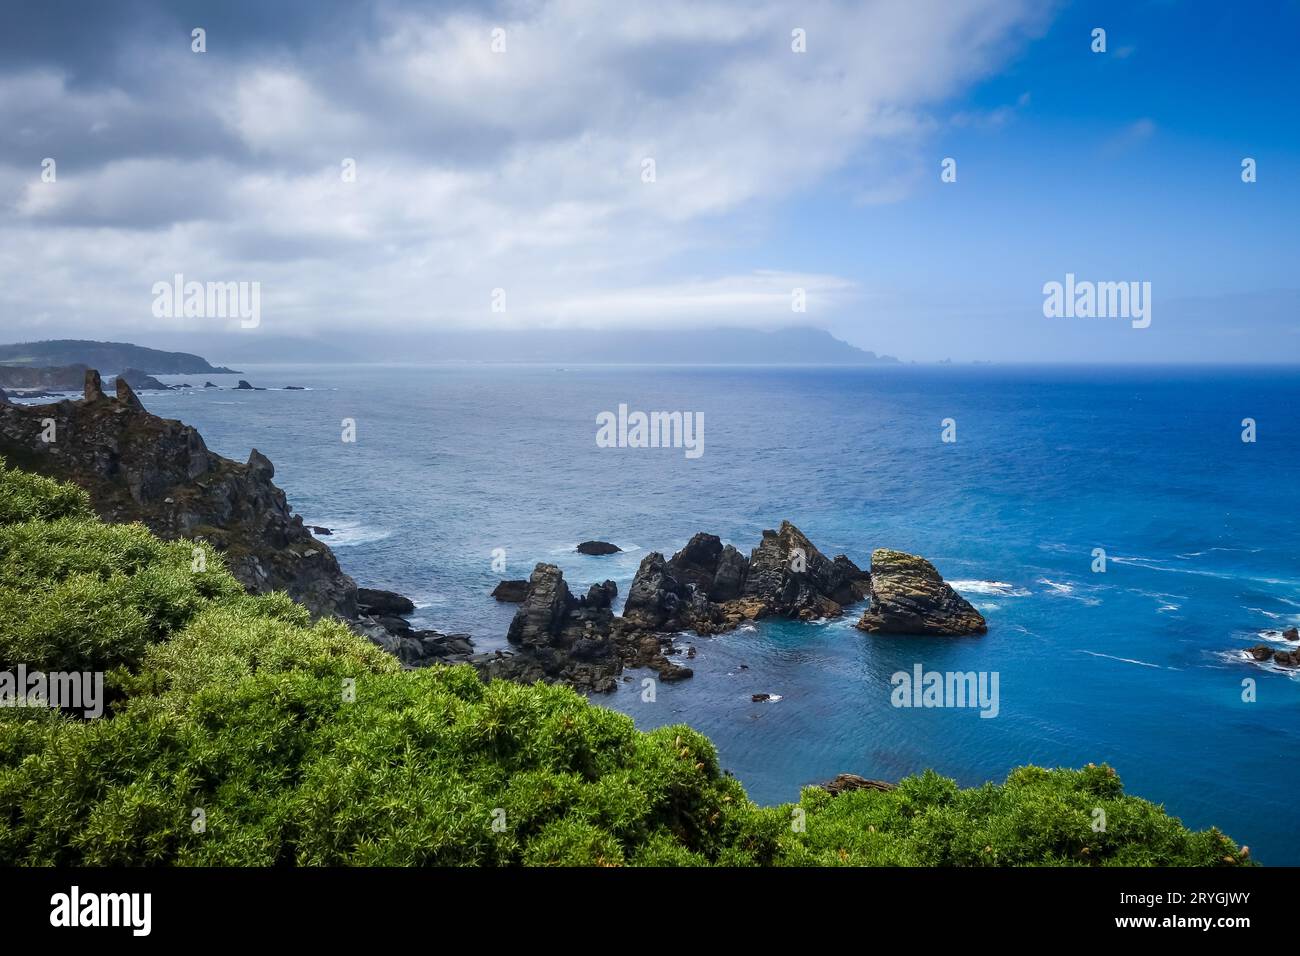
pixel 1139 666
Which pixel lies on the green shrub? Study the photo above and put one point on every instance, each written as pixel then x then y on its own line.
pixel 245 734
pixel 28 497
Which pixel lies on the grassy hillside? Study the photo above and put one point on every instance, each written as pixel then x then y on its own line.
pixel 295 743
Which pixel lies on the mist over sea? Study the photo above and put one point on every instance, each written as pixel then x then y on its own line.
pixel 1140 666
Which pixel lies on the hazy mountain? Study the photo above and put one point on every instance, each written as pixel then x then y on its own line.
pixel 791 346
pixel 109 357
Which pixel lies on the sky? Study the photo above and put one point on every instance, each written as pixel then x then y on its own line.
pixel 502 154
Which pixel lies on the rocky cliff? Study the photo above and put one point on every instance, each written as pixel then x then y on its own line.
pixel 139 467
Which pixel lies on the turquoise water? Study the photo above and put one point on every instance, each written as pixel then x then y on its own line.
pixel 1139 666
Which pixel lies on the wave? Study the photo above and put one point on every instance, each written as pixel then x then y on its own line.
pixel 1150 565
pixel 1129 660
pixel 995 588
pixel 1239 657
pixel 1275 637
pixel 1197 554
pixel 347 533
pixel 1058 589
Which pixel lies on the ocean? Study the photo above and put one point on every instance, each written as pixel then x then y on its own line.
pixel 1139 666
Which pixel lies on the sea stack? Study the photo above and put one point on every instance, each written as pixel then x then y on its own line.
pixel 909 597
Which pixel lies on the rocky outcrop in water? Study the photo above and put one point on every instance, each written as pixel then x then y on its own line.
pixel 142 381
pixel 560 638
pixel 709 587
pixel 511 592
pixel 598 548
pixel 909 597
pixel 1263 654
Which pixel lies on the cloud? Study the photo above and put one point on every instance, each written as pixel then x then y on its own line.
pixel 475 169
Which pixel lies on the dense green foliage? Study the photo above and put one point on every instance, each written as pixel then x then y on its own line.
pixel 243 734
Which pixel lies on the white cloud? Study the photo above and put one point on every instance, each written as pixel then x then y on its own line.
pixel 479 170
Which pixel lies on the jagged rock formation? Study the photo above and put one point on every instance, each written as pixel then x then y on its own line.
pixel 561 638
pixel 909 597
pixel 708 587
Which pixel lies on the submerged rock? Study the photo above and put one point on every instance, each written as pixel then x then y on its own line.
pixel 851 781
pixel 598 548
pixel 909 597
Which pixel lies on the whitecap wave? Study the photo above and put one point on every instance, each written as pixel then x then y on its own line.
pixel 998 588
pixel 347 533
pixel 1057 586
